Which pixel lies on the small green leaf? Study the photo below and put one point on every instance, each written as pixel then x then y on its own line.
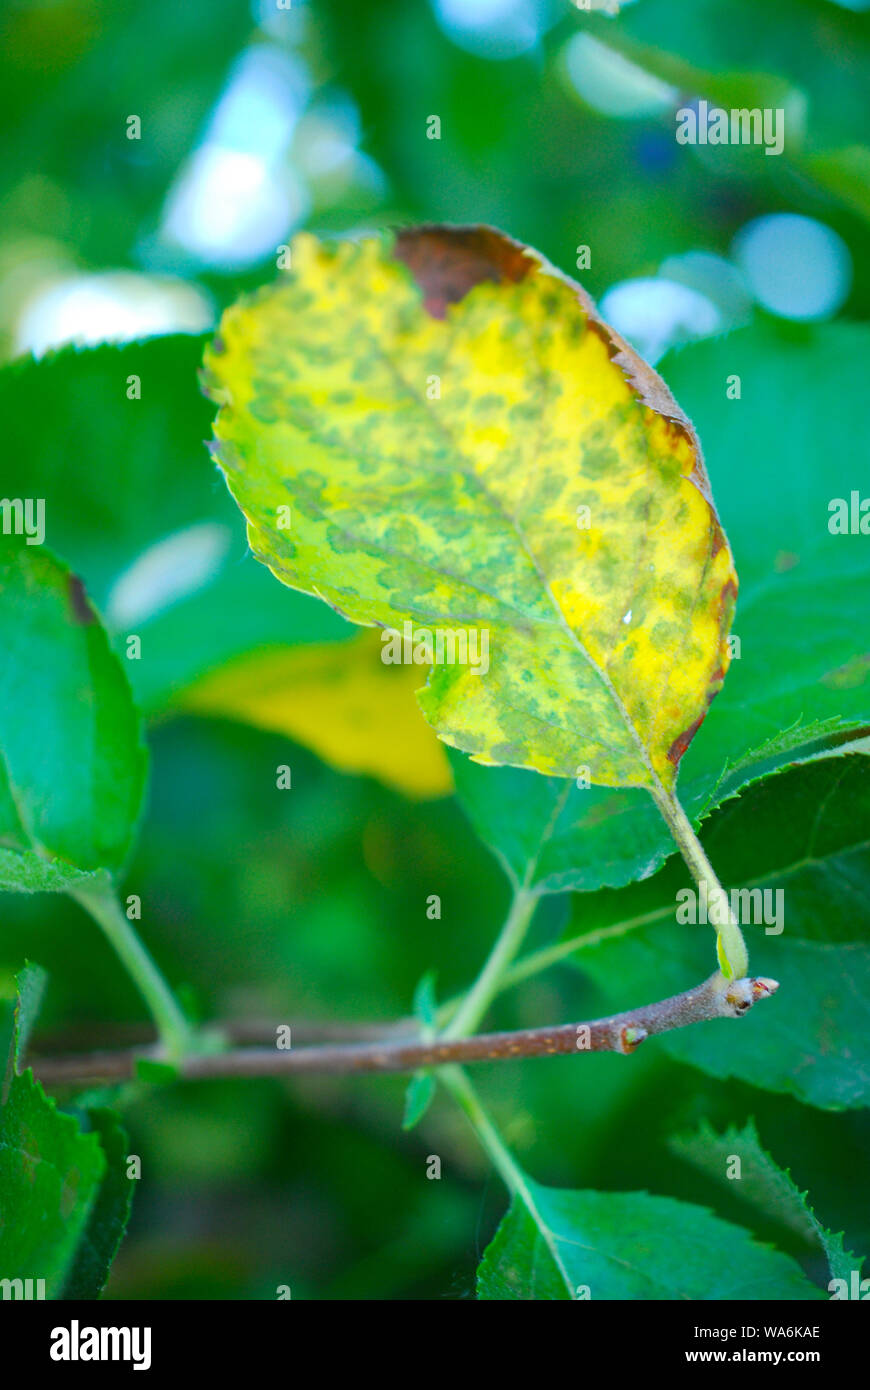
pixel 156 1073
pixel 72 762
pixel 425 1003
pixel 555 1244
pixel 418 1097
pixel 421 1088
pixel 765 1185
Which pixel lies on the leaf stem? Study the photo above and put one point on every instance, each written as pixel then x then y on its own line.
pixel 731 948
pixel 459 1086
pixel 462 1091
pixel 99 899
pixel 488 983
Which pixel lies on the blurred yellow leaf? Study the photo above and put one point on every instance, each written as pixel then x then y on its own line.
pixel 339 699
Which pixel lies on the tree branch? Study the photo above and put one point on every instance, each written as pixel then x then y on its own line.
pixel 715 998
pixel 244 1031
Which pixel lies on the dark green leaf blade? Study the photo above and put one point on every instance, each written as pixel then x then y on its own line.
pixel 765 1185
pixel 109 1215
pixel 50 1171
pixel 627 1246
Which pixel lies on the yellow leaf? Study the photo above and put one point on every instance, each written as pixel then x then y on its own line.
pixel 339 699
pixel 459 441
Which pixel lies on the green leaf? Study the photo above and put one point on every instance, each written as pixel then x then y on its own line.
pixel 806 834
pixel 802 391
pixel 156 1073
pixel 765 1185
pixel 844 172
pixel 418 1097
pixel 802 399
pixel 425 1001
pixel 550 501
pixel 109 1215
pixel 554 837
pixel 72 762
pixel 50 1178
pixel 26 872
pixel 420 1090
pixel 62 1210
pixel 559 1244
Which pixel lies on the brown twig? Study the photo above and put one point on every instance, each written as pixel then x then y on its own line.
pixel 244 1031
pixel 715 998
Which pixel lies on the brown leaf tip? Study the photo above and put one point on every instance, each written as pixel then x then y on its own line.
pixel 447 262
pixel 682 741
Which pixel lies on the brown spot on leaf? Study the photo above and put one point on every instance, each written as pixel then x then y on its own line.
pixel 82 612
pixel 447 262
